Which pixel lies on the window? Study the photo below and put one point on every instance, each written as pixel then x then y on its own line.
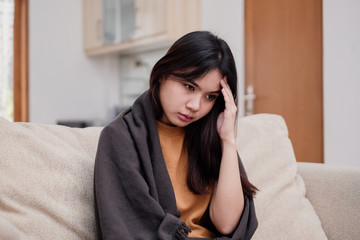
pixel 14 59
pixel 7 9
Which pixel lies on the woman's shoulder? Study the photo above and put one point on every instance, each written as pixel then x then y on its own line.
pixel 135 120
pixel 116 127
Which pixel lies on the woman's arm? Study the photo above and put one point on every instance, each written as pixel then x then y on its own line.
pixel 127 206
pixel 227 202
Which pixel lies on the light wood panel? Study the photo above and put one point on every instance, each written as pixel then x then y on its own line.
pixel 283 61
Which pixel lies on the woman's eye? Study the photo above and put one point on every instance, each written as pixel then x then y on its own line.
pixel 190 87
pixel 210 97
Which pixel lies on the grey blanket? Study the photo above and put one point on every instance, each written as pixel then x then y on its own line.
pixel 134 198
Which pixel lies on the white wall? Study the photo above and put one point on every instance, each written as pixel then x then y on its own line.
pixel 64 83
pixel 342 82
pixel 226 19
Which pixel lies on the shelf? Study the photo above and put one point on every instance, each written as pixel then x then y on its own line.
pixel 154 24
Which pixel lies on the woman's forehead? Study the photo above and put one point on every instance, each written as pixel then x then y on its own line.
pixel 210 81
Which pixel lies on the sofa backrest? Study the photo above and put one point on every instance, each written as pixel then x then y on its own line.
pixel 46 180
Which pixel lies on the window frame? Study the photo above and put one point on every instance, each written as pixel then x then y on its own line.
pixel 21 61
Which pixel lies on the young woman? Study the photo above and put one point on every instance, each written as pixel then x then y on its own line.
pixel 167 167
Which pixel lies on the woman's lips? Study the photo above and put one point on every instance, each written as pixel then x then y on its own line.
pixel 185 118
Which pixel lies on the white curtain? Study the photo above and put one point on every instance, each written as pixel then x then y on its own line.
pixel 7 8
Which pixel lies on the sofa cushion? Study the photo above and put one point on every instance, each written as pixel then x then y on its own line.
pixel 46 180
pixel 282 209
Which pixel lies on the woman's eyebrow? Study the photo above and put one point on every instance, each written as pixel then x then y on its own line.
pixel 196 85
pixel 216 92
pixel 193 83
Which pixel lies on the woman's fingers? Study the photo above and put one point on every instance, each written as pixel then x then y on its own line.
pixel 228 96
pixel 226 120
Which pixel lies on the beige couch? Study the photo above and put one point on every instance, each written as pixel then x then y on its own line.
pixel 46 184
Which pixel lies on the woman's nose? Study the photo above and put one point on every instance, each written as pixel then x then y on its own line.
pixel 194 103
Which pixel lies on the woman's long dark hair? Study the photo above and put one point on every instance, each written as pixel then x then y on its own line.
pixel 191 57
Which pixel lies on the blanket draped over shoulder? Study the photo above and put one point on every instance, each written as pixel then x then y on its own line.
pixel 134 198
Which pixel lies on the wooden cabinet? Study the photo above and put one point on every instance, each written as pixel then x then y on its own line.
pixel 125 26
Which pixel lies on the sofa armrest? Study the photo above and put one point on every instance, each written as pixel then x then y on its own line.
pixel 335 195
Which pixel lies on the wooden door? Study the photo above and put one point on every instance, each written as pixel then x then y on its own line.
pixel 283 62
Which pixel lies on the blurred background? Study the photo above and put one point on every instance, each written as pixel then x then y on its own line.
pixel 79 63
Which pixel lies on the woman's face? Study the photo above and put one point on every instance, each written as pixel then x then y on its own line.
pixel 186 101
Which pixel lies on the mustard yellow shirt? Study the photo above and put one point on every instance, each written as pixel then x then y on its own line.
pixel 192 206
